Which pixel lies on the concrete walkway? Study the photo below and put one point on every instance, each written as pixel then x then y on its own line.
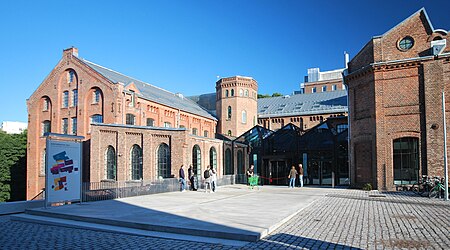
pixel 233 212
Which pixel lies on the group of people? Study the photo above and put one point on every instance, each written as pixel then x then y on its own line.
pixel 293 174
pixel 210 176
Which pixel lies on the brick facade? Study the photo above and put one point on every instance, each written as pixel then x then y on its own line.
pixel 97 99
pixel 396 93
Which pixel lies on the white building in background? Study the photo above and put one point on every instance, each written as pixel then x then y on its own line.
pixel 14 127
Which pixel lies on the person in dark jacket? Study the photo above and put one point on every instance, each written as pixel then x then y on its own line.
pixel 182 179
pixel 191 178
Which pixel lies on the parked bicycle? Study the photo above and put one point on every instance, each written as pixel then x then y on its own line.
pixel 438 190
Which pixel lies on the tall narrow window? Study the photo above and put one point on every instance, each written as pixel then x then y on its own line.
pixel 226 93
pixel 70 76
pixel 196 159
pixel 130 119
pixel 111 169
pixel 136 163
pixel 229 113
pixel 150 122
pixel 313 90
pixel 65 126
pixel 213 158
pixel 228 168
pixel 45 104
pixel 133 99
pixel 65 99
pixel 164 168
pixel 74 125
pixel 244 116
pixel 240 162
pixel 241 92
pixel 205 133
pixel 246 92
pixel 74 97
pixel 334 87
pixel 96 95
pixel 232 92
pixel 46 127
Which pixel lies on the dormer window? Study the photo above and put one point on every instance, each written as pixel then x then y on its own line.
pixel 406 43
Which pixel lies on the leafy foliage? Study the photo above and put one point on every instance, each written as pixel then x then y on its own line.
pixel 267 95
pixel 13 148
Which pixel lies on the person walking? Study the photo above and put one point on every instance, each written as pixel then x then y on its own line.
pixel 191 177
pixel 213 179
pixel 292 175
pixel 300 174
pixel 182 180
pixel 207 175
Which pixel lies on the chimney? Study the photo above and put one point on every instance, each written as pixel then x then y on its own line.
pixel 71 51
pixel 346 58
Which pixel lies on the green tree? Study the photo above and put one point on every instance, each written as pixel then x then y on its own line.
pixel 276 94
pixel 12 166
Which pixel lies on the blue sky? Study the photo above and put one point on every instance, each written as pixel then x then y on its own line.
pixel 182 46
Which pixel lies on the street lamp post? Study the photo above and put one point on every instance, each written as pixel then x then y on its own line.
pixel 445 149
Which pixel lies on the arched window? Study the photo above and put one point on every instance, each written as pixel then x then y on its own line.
pixel 196 159
pixel 205 133
pixel 226 93
pixel 240 162
pixel 136 162
pixel 406 160
pixel 164 167
pixel 150 122
pixel 70 76
pixel 213 158
pixel 228 168
pixel 246 92
pixel 46 127
pixel 96 96
pixel 232 92
pixel 229 132
pixel 130 119
pixel 45 104
pixel 229 113
pixel 110 159
pixel 241 92
pixel 244 116
pixel 194 131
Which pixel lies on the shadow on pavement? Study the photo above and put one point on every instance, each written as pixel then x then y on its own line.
pixel 288 241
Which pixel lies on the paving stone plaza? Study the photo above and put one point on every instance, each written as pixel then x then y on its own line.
pixel 336 219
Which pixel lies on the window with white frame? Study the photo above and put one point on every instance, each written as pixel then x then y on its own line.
pixel 45 104
pixel 74 97
pixel 167 125
pixel 65 99
pixel 70 76
pixel 334 87
pixel 65 126
pixel 313 90
pixel 244 116
pixel 324 88
pixel 74 125
pixel 96 95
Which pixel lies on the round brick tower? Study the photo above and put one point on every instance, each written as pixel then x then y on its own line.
pixel 236 104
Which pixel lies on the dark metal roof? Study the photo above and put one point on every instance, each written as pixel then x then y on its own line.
pixel 303 104
pixel 151 92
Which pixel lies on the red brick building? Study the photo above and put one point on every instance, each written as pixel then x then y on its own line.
pixel 395 86
pixel 133 130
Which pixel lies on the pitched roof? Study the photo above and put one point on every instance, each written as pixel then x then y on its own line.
pixel 151 92
pixel 303 104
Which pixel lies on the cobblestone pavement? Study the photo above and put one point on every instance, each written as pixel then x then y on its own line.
pixel 341 220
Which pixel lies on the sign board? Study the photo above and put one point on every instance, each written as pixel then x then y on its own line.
pixel 63 171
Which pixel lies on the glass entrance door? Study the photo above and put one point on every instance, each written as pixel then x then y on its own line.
pixel 279 171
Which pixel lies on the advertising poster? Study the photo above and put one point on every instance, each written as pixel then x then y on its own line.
pixel 63 171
